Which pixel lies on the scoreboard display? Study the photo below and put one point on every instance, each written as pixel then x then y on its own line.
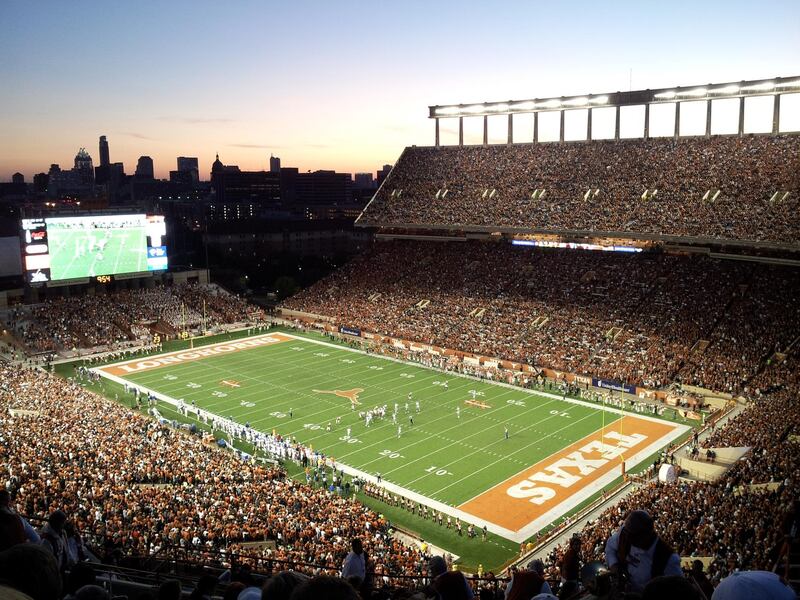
pixel 58 249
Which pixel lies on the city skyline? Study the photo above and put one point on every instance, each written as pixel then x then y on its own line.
pixel 342 87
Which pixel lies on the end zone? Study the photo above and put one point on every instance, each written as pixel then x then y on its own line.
pixel 138 365
pixel 537 496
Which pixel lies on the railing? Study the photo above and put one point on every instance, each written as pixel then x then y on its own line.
pixel 174 561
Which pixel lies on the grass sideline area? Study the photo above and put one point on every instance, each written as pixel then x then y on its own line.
pixel 419 444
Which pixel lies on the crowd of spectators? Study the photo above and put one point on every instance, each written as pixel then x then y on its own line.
pixel 496 186
pixel 644 319
pixel 148 489
pixel 85 464
pixel 64 323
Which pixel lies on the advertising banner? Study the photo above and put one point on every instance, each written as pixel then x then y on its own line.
pixel 614 385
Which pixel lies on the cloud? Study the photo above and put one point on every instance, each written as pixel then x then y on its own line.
pixel 197 120
pixel 256 146
pixel 139 136
pixel 276 146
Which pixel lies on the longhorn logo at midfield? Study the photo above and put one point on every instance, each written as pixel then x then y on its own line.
pixel 351 395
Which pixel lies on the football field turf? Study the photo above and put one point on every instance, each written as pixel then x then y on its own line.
pixel 454 457
pixel 89 252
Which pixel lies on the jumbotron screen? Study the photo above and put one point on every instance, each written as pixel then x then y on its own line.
pixel 62 248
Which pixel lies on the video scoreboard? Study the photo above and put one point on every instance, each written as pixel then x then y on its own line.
pixel 58 249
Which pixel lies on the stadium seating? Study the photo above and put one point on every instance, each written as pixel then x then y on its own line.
pixel 632 318
pixel 133 487
pixel 148 489
pixel 657 187
pixel 88 321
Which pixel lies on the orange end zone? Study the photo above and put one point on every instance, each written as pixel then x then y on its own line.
pixel 521 499
pixel 183 356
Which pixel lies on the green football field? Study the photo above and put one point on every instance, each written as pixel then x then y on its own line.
pixel 79 252
pixel 451 449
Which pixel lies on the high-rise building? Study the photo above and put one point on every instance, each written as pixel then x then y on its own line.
pixel 274 164
pixel 83 167
pixel 185 178
pixel 363 181
pixel 383 173
pixel 242 194
pixel 18 178
pixel 104 159
pixel 40 181
pixel 144 168
pixel 189 164
pixel 323 187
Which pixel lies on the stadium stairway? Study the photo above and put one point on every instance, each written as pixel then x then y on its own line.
pixel 788 566
pixel 125 329
pixel 163 328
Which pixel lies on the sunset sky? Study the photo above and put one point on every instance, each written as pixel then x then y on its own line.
pixel 338 85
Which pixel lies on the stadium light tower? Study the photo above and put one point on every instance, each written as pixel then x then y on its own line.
pixel 775 87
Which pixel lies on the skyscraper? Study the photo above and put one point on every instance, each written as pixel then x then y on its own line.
pixel 83 167
pixel 104 159
pixel 364 181
pixel 188 164
pixel 144 168
pixel 274 164
pixel 383 173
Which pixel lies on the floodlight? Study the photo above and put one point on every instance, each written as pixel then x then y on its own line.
pixel 666 95
pixel 728 89
pixel 582 101
pixel 695 93
pixel 527 105
pixel 599 100
pixel 795 83
pixel 551 104
pixel 498 107
pixel 760 87
pixel 475 108
pixel 447 110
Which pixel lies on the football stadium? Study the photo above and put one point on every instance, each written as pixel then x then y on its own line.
pixel 544 368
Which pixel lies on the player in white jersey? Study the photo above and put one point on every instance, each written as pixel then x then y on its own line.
pixel 458 412
pixel 417 405
pixel 399 430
